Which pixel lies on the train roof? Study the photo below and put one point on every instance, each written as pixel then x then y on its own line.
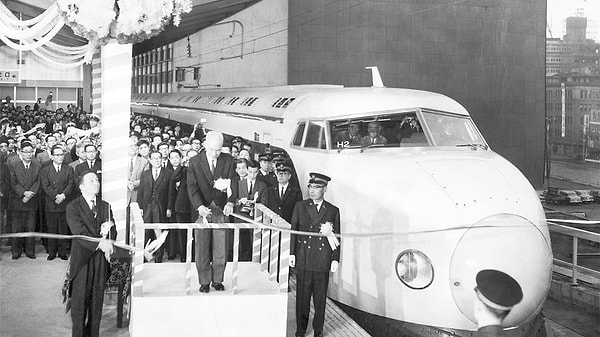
pixel 307 101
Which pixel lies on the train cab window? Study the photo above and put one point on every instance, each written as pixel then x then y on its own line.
pixel 452 130
pixel 315 136
pixel 401 129
pixel 299 133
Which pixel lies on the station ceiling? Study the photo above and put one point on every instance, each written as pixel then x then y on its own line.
pixel 204 13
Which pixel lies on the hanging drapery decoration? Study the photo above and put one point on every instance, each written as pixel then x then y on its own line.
pixel 127 21
pixel 35 34
pixel 98 21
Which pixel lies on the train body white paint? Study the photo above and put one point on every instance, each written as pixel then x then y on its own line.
pixel 459 207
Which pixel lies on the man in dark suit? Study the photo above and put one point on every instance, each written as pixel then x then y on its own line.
pixel 250 191
pixel 153 197
pixel 89 268
pixel 57 183
pixel 211 196
pixel 92 164
pixel 180 204
pixel 23 204
pixel 283 196
pixel 45 157
pixel 313 256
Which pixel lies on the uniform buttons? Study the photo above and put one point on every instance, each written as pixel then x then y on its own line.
pixel 320 248
pixel 308 247
pixel 305 242
pixel 310 237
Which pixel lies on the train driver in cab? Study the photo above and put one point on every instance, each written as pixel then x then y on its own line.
pixel 496 294
pixel 348 137
pixel 374 137
pixel 314 257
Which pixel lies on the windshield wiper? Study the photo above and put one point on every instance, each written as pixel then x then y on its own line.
pixel 341 148
pixel 474 146
pixel 363 148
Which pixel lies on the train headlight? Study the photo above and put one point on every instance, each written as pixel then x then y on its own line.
pixel 414 269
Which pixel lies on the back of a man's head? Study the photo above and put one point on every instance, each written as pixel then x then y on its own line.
pixel 214 140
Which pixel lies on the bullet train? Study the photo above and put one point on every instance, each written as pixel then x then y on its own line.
pixel 434 204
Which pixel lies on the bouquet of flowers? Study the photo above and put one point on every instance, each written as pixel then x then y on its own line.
pixel 223 185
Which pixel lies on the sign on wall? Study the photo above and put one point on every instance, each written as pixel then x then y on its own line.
pixel 9 76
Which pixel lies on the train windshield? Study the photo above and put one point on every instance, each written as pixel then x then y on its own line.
pixel 452 130
pixel 404 129
pixel 394 129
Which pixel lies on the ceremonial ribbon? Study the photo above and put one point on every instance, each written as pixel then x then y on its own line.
pixel 266 226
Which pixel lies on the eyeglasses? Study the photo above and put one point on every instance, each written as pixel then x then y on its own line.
pixel 59 154
pixel 26 151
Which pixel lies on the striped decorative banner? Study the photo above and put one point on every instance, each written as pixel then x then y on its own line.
pixel 115 99
pixel 236 246
pixel 97 83
pixel 188 262
pixel 257 237
pixel 273 255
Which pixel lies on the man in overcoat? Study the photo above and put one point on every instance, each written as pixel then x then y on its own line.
pixel 89 268
pixel 57 183
pixel 212 189
pixel 314 257
pixel 23 204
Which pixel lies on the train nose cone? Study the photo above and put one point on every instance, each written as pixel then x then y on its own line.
pixel 508 243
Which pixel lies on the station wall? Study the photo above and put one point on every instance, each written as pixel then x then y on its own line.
pixel 38 78
pixel 488 55
pixel 232 57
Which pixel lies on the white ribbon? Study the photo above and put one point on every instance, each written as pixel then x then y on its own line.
pixel 327 229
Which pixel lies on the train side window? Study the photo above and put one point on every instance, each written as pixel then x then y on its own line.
pixel 299 133
pixel 315 136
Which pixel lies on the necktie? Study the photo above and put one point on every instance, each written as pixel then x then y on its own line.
pixel 211 164
pixel 91 164
pixel 155 175
pixel 27 166
pixel 250 190
pixel 57 168
pixel 94 210
pixel 131 165
pixel 282 191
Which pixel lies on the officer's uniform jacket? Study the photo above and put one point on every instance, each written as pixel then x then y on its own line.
pixel 270 179
pixel 314 253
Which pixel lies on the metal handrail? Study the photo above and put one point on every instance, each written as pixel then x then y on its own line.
pixel 576 234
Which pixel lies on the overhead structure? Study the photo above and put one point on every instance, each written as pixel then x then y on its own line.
pixel 204 14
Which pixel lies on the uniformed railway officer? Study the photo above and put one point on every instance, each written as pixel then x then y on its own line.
pixel 312 256
pixel 265 174
pixel 496 294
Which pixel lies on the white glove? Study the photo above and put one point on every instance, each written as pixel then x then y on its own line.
pixel 292 260
pixel 107 247
pixel 334 266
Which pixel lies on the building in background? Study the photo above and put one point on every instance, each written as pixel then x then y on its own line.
pixel 574 52
pixel 573 92
pixel 578 133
